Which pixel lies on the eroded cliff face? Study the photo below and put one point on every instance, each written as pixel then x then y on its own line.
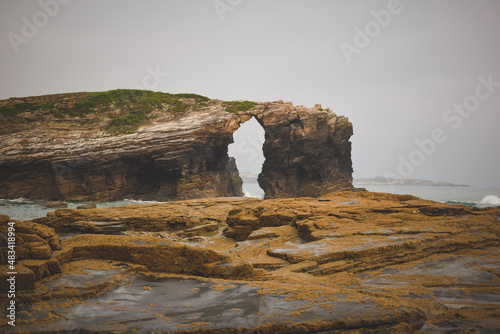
pixel 172 155
pixel 307 151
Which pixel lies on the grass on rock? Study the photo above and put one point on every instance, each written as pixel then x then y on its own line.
pixel 236 106
pixel 127 109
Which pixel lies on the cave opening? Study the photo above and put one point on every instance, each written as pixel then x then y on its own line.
pixel 247 151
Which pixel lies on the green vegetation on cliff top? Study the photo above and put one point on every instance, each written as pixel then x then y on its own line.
pixel 236 106
pixel 117 112
pixel 132 107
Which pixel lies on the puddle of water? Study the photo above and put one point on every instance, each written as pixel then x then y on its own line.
pixel 315 248
pixel 452 266
pixel 72 280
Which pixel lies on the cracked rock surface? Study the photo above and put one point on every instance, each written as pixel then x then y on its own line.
pixel 355 262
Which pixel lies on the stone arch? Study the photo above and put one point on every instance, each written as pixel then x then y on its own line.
pixel 307 153
pixel 246 149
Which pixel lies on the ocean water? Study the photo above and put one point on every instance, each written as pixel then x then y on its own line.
pixel 253 190
pixel 470 196
pixel 23 209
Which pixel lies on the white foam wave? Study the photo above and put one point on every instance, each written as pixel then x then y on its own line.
pixel 18 200
pixel 491 199
pixel 138 201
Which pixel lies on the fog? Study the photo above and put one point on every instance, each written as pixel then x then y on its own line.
pixel 419 80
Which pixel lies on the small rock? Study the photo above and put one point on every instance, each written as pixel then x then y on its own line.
pixel 262 234
pixel 55 205
pixel 87 206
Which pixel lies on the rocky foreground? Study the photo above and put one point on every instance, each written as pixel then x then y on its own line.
pixel 356 262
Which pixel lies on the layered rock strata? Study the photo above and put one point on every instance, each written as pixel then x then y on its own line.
pixel 182 157
pixel 33 247
pixel 172 154
pixel 307 151
pixel 349 261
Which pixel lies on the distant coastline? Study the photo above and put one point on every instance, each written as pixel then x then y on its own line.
pixel 403 182
pixel 249 177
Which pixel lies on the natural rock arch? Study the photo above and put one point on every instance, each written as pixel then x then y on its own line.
pixel 181 156
pixel 246 149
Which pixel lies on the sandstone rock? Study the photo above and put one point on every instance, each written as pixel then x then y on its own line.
pixel 41 268
pixel 55 205
pixel 262 233
pixel 241 223
pixel 25 279
pixel 176 216
pixel 200 230
pixel 34 246
pixel 32 241
pixel 366 261
pixel 307 152
pixel 154 254
pixel 172 155
pixel 87 206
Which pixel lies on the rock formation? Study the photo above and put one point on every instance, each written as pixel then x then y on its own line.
pixel 77 147
pixel 346 262
pixel 307 151
pixel 34 245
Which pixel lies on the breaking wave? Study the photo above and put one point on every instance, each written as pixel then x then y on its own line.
pixel 491 200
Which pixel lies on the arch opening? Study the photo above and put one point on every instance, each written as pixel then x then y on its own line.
pixel 247 151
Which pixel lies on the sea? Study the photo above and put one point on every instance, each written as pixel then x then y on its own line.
pixel 469 196
pixel 24 209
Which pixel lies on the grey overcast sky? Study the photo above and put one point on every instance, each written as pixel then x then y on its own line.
pixel 404 72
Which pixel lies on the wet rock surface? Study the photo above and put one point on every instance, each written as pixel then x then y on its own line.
pixel 349 261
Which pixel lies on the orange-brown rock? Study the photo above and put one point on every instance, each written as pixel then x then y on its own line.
pixel 175 216
pixel 345 261
pixel 33 247
pixel 307 151
pixel 155 254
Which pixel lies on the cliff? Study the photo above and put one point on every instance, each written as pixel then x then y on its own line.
pixel 158 146
pixel 307 151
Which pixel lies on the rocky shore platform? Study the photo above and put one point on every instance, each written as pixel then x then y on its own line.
pixel 347 262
